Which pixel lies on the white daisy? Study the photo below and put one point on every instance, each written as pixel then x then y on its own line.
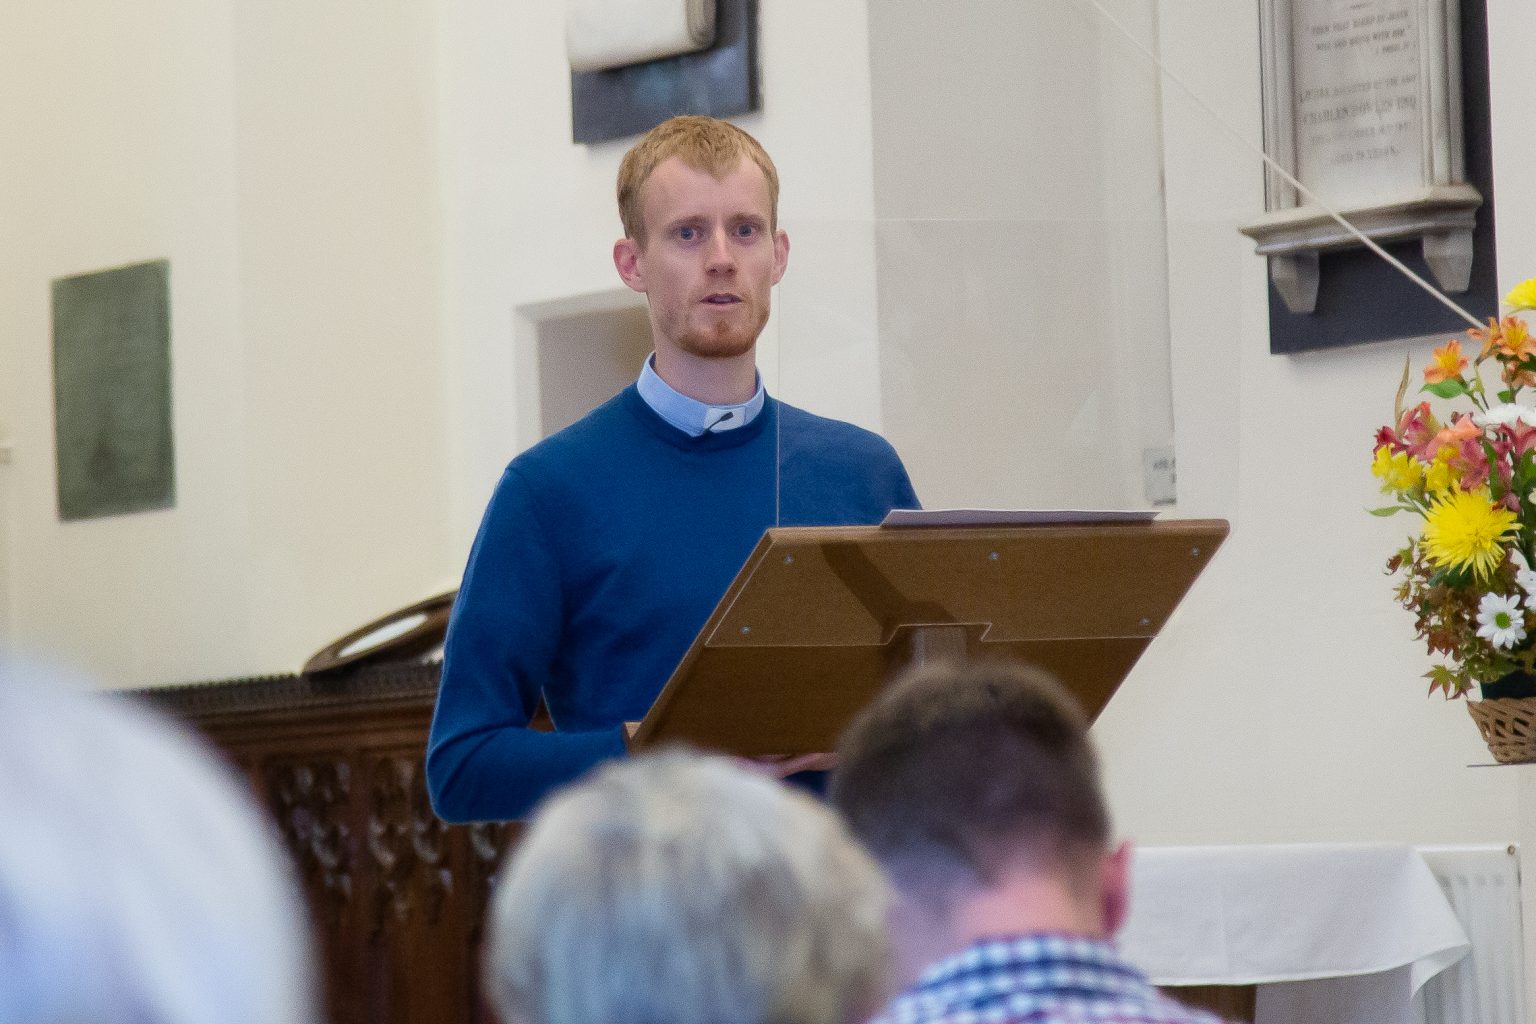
pixel 1526 578
pixel 1505 416
pixel 1500 621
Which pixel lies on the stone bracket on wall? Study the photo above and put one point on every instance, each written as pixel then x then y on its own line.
pixel 1442 216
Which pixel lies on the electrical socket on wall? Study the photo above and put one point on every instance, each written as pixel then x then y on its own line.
pixel 1159 476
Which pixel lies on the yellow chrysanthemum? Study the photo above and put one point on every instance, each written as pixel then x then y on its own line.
pixel 1522 296
pixel 1400 472
pixel 1466 530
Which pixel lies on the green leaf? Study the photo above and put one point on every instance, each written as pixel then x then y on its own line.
pixel 1452 388
pixel 1440 678
pixel 1496 488
pixel 1506 397
pixel 1389 510
pixel 1447 576
pixel 1522 473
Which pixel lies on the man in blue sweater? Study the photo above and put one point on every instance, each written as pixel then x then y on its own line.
pixel 607 545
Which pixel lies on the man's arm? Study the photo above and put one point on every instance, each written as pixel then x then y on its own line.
pixel 905 495
pixel 483 762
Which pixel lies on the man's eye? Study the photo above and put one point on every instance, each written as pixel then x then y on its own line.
pixel 687 234
pixel 746 230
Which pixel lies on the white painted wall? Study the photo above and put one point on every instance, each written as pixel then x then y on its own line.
pixel 340 320
pixel 584 359
pixel 1284 703
pixel 5 541
pixel 1022 282
pixel 128 156
pixel 280 155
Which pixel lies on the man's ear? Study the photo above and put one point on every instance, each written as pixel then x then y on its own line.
pixel 1115 886
pixel 626 259
pixel 780 254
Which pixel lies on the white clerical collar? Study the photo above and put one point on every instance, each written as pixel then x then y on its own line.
pixel 690 415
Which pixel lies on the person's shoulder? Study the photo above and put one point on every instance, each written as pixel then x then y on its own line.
pixel 569 448
pixel 857 470
pixel 832 435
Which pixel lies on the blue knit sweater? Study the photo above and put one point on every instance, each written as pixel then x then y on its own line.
pixel 603 551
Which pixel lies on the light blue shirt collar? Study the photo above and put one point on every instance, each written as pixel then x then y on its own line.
pixel 690 415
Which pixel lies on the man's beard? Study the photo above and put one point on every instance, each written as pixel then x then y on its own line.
pixel 722 339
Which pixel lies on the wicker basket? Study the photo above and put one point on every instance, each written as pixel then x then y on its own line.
pixel 1508 726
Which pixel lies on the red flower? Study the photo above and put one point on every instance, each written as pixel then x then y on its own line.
pixel 1515 440
pixel 1417 433
pixel 1473 463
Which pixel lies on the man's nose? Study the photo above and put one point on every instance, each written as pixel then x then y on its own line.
pixel 718 253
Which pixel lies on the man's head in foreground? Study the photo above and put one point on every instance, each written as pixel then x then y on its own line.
pixel 976 788
pixel 676 888
pixel 699 201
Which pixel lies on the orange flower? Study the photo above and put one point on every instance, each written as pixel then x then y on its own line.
pixel 1462 428
pixel 1448 363
pixel 1516 346
pixel 1511 343
pixel 1516 341
pixel 1490 338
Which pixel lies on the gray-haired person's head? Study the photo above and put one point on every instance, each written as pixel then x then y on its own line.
pixel 138 883
pixel 677 888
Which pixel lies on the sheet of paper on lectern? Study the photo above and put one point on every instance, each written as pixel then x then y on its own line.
pixel 1013 517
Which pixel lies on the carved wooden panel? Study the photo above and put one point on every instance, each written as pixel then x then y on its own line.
pixel 407 845
pixel 396 895
pixel 311 799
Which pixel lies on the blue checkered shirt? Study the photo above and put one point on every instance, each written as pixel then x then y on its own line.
pixel 1037 979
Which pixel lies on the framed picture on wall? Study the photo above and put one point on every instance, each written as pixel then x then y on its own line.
pixel 112 391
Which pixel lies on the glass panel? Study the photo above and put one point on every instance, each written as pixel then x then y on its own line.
pixel 1002 315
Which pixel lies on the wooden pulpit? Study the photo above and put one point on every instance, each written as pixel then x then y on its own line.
pixel 820 618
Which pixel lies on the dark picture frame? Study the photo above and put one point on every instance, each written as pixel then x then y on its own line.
pixel 112 391
pixel 721 81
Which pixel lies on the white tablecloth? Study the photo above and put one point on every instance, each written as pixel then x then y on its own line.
pixel 1330 933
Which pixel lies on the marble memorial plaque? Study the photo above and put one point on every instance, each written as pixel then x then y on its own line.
pixel 1357 116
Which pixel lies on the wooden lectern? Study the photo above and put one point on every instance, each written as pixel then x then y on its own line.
pixel 820 617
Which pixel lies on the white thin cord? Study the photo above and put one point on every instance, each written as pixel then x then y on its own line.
pixel 778 442
pixel 778 463
pixel 778 427
pixel 1227 126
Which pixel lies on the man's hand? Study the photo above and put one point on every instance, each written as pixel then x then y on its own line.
pixel 775 766
pixel 782 766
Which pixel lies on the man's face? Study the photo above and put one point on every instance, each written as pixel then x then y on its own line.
pixel 710 258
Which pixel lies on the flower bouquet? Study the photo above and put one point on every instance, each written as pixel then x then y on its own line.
pixel 1469 576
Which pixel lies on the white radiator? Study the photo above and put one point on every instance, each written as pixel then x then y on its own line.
pixel 1482 884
